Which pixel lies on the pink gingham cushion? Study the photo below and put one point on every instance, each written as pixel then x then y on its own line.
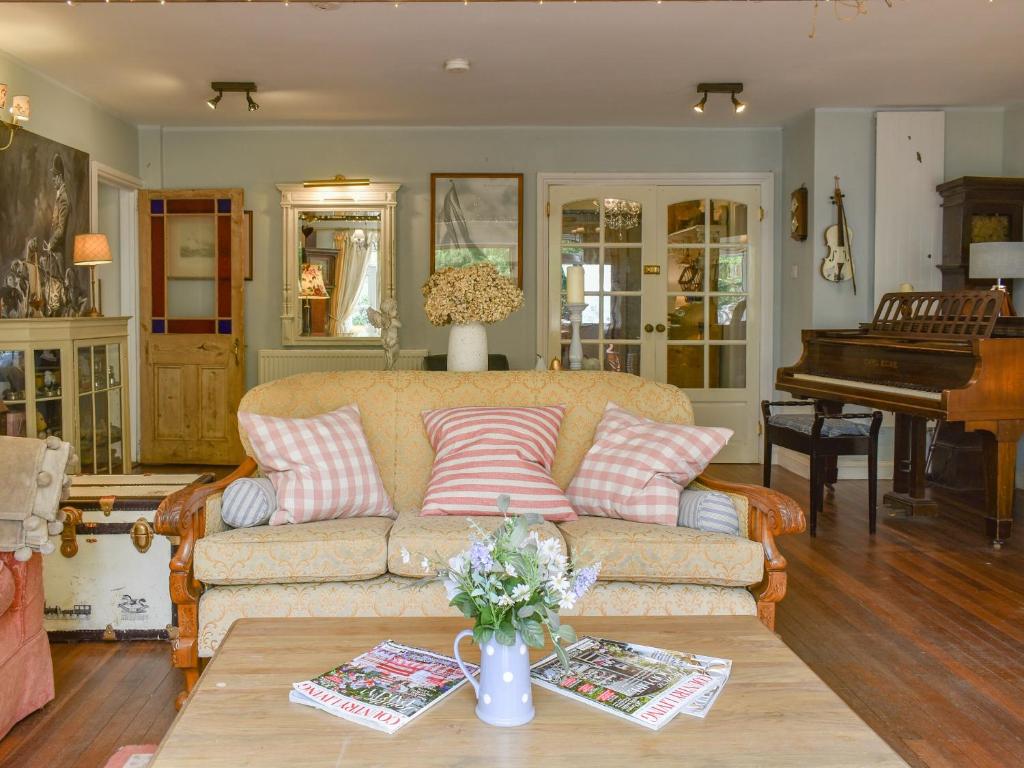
pixel 636 468
pixel 482 453
pixel 321 467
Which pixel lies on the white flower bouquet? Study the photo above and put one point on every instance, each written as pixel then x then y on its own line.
pixel 474 294
pixel 513 581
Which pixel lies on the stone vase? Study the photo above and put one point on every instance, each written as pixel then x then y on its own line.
pixel 467 347
pixel 504 695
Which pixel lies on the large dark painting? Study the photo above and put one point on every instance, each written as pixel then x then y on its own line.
pixel 44 203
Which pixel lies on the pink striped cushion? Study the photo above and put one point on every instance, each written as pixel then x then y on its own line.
pixel 636 468
pixel 482 453
pixel 321 467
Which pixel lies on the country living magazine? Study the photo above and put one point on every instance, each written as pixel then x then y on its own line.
pixel 648 686
pixel 384 688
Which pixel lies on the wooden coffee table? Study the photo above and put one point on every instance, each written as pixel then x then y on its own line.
pixel 773 712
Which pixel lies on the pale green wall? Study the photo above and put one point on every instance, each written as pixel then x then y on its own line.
pixel 1013 141
pixel 62 115
pixel 794 311
pixel 256 160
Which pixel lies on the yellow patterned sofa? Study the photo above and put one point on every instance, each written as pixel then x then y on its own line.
pixel 355 568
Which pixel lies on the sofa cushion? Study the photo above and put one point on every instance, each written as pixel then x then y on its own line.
pixel 439 538
pixel 482 454
pixel 642 552
pixel 321 467
pixel 330 550
pixel 637 466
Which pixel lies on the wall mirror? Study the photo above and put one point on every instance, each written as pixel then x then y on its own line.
pixel 339 261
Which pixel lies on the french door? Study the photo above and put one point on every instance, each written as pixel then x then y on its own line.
pixel 670 283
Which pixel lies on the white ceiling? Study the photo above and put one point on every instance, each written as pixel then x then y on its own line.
pixel 601 64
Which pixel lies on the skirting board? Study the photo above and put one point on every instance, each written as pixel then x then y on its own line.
pixel 277 363
pixel 850 467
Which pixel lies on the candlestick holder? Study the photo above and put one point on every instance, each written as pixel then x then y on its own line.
pixel 576 346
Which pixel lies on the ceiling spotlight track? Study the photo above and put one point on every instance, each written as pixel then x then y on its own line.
pixel 731 88
pixel 225 86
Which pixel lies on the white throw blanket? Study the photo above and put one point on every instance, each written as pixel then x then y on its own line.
pixel 34 483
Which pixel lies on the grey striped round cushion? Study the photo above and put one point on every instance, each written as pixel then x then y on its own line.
pixel 247 502
pixel 708 511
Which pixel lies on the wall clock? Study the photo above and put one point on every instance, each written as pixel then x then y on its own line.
pixel 798 214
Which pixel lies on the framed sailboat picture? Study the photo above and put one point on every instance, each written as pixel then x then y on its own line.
pixel 475 218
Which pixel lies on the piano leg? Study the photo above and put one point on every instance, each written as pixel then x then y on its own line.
pixel 908 481
pixel 1000 446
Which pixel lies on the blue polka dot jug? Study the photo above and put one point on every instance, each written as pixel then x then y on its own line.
pixel 503 695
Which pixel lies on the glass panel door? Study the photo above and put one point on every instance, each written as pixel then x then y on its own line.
pixel 13 396
pixel 709 343
pixel 606 231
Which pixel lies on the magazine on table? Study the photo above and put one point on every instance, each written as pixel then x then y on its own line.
pixel 385 687
pixel 648 686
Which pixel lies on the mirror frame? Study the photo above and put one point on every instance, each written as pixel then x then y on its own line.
pixel 296 198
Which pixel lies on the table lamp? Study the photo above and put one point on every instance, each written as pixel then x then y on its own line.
pixel 311 288
pixel 1000 261
pixel 91 250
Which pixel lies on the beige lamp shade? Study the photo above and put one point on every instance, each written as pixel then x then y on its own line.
pixel 91 250
pixel 1001 261
pixel 3 95
pixel 21 108
pixel 311 282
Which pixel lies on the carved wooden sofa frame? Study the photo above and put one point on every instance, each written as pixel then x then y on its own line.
pixel 183 515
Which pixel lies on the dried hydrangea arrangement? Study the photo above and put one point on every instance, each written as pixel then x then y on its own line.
pixel 476 294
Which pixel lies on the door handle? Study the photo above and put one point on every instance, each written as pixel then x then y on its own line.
pixel 649 328
pixel 235 347
pixel 660 328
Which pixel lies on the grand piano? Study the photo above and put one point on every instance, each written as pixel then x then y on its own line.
pixel 946 356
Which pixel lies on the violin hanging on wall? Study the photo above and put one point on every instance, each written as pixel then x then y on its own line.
pixel 837 266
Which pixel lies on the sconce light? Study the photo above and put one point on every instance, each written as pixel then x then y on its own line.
pixel 231 87
pixel 731 88
pixel 20 111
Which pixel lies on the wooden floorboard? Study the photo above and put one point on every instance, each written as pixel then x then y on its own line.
pixel 920 629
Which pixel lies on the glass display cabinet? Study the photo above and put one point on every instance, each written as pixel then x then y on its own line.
pixel 66 377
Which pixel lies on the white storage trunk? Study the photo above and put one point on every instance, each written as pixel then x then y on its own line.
pixel 100 584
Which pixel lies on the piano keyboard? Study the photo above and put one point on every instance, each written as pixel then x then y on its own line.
pixel 867 385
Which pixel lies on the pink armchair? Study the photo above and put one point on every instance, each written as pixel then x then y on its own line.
pixel 26 672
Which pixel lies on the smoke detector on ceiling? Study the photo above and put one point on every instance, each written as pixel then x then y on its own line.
pixel 456 65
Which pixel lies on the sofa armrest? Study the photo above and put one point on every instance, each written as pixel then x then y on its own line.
pixel 7 588
pixel 771 514
pixel 183 514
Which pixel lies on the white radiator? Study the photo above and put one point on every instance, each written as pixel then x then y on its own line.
pixel 278 363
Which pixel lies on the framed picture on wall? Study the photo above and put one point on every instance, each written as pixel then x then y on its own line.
pixel 475 218
pixel 247 245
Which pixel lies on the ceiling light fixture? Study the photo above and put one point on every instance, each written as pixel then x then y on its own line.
pixel 457 64
pixel 222 87
pixel 731 88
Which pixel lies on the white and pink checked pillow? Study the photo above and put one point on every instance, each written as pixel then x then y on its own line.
pixel 482 453
pixel 636 468
pixel 321 467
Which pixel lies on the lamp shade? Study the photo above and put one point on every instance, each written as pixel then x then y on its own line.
pixel 997 260
pixel 92 249
pixel 311 282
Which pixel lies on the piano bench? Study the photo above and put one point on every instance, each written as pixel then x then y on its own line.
pixel 823 437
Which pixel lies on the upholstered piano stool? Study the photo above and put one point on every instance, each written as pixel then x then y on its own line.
pixel 823 437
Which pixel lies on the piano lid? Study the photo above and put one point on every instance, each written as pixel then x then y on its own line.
pixel 938 314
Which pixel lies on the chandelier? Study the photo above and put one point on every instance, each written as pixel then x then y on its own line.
pixel 620 215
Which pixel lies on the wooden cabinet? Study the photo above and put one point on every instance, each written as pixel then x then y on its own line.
pixel 977 209
pixel 68 377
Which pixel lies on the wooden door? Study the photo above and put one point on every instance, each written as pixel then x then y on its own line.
pixel 191 321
